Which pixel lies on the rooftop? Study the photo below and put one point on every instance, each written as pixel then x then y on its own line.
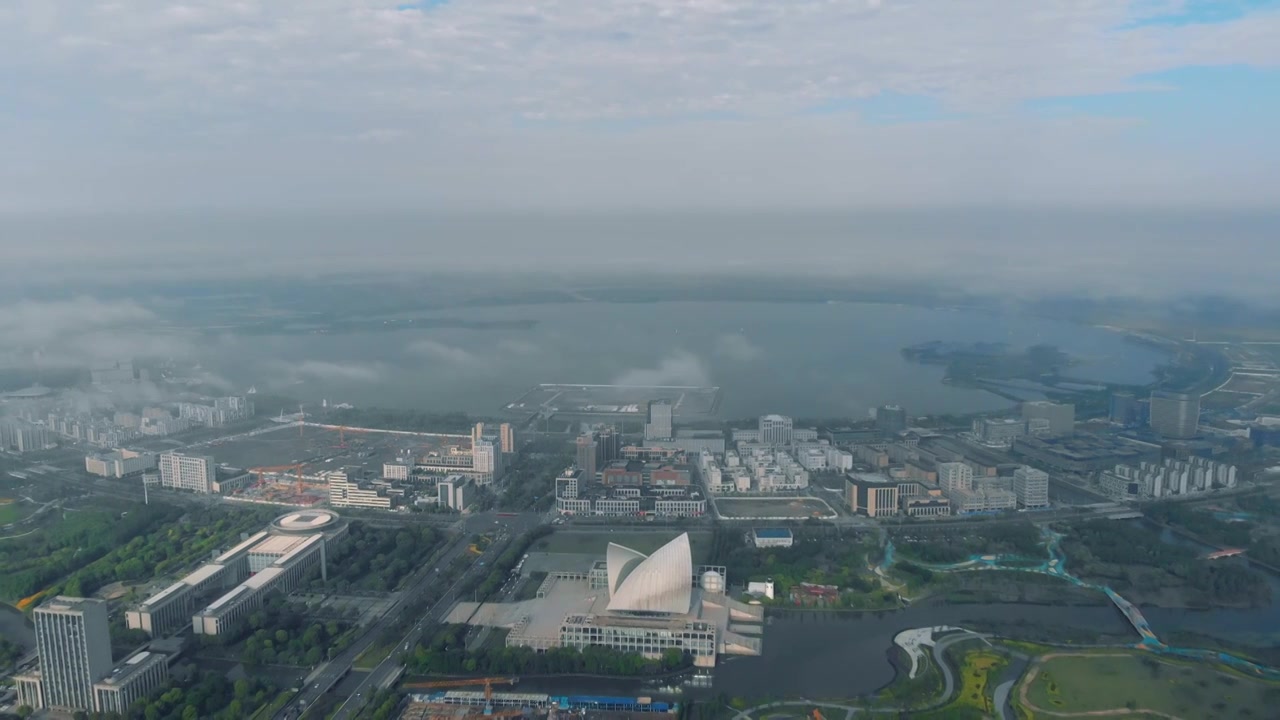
pixel 134 664
pixel 305 521
pixel 278 544
pixel 773 533
pixel 202 573
pixel 165 594
pixel 242 547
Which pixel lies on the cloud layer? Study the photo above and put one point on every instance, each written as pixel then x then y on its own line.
pixel 652 103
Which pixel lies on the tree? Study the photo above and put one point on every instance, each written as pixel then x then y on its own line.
pixel 25 711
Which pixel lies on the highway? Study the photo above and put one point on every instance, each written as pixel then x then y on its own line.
pixel 419 583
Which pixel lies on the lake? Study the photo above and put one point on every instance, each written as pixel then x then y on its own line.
pixel 802 359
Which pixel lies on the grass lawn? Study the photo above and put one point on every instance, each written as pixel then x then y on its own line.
pixel 1114 681
pixel 595 542
pixel 798 508
pixel 978 674
pixel 13 510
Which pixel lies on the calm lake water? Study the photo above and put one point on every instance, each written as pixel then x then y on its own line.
pixel 809 360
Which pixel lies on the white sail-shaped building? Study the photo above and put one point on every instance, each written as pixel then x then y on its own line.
pixel 660 583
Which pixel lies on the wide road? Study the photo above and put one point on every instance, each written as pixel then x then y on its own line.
pixel 333 671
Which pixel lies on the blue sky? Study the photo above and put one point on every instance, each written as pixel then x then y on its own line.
pixel 491 104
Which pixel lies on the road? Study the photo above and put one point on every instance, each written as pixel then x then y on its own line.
pixel 323 680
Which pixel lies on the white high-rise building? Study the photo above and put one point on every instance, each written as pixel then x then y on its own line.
pixel 74 644
pixel 179 471
pixel 1031 486
pixel 658 425
pixel 955 476
pixel 1061 417
pixel 486 457
pixel 775 430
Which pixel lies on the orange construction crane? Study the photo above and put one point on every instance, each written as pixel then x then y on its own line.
pixel 262 471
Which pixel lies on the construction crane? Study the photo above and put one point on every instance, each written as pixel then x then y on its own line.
pixel 261 472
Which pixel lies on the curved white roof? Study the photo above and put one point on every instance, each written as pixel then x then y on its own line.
pixel 660 583
pixel 621 561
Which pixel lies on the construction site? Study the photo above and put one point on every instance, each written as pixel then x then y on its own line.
pixel 286 464
pixel 445 700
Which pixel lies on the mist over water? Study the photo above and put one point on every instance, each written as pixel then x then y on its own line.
pixel 803 359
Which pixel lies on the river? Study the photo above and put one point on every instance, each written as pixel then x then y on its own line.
pixel 802 359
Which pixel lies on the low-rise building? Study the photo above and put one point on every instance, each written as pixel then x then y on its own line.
pixel 344 492
pixel 134 678
pixel 1031 486
pixel 119 463
pixel 772 537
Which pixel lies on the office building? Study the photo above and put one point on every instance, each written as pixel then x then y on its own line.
pixel 74 645
pixel 658 423
pixel 775 430
pixel 134 678
pixel 1031 487
pixel 586 456
pixel 228 613
pixel 1061 417
pixel 1124 409
pixel 955 476
pixel 873 495
pixel 891 419
pixel 608 446
pixel 486 461
pixel 195 473
pixel 570 484
pixel 454 492
pixel 344 492
pixel 119 463
pixel 998 432
pixel 1175 415
pixel 507 436
pixel 396 470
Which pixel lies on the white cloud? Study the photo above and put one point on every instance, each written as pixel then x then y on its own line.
pixel 443 352
pixel 325 371
pixel 29 324
pixel 475 101
pixel 678 368
pixel 737 347
pixel 521 348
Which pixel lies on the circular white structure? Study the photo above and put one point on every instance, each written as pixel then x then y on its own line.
pixel 712 582
pixel 305 522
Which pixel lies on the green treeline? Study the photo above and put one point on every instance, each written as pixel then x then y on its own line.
pixel 87 549
pixel 1132 556
pixel 447 654
pixel 279 633
pixel 1018 538
pixel 376 559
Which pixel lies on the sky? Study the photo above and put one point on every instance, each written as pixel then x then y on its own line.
pixel 147 106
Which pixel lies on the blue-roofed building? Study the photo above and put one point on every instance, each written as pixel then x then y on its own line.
pixel 772 537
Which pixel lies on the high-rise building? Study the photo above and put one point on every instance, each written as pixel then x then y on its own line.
pixel 1060 416
pixel 1031 486
pixel 507 434
pixel 179 471
pixel 891 419
pixel 586 448
pixel 477 433
pixel 486 457
pixel 658 425
pixel 21 436
pixel 775 430
pixel 1123 409
pixel 608 446
pixel 74 644
pixel 1175 415
pixel 955 476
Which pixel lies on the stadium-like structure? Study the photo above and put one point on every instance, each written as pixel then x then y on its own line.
pixel 629 601
pixel 661 583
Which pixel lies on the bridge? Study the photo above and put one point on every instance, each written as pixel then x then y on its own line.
pixel 1224 553
pixel 1134 616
